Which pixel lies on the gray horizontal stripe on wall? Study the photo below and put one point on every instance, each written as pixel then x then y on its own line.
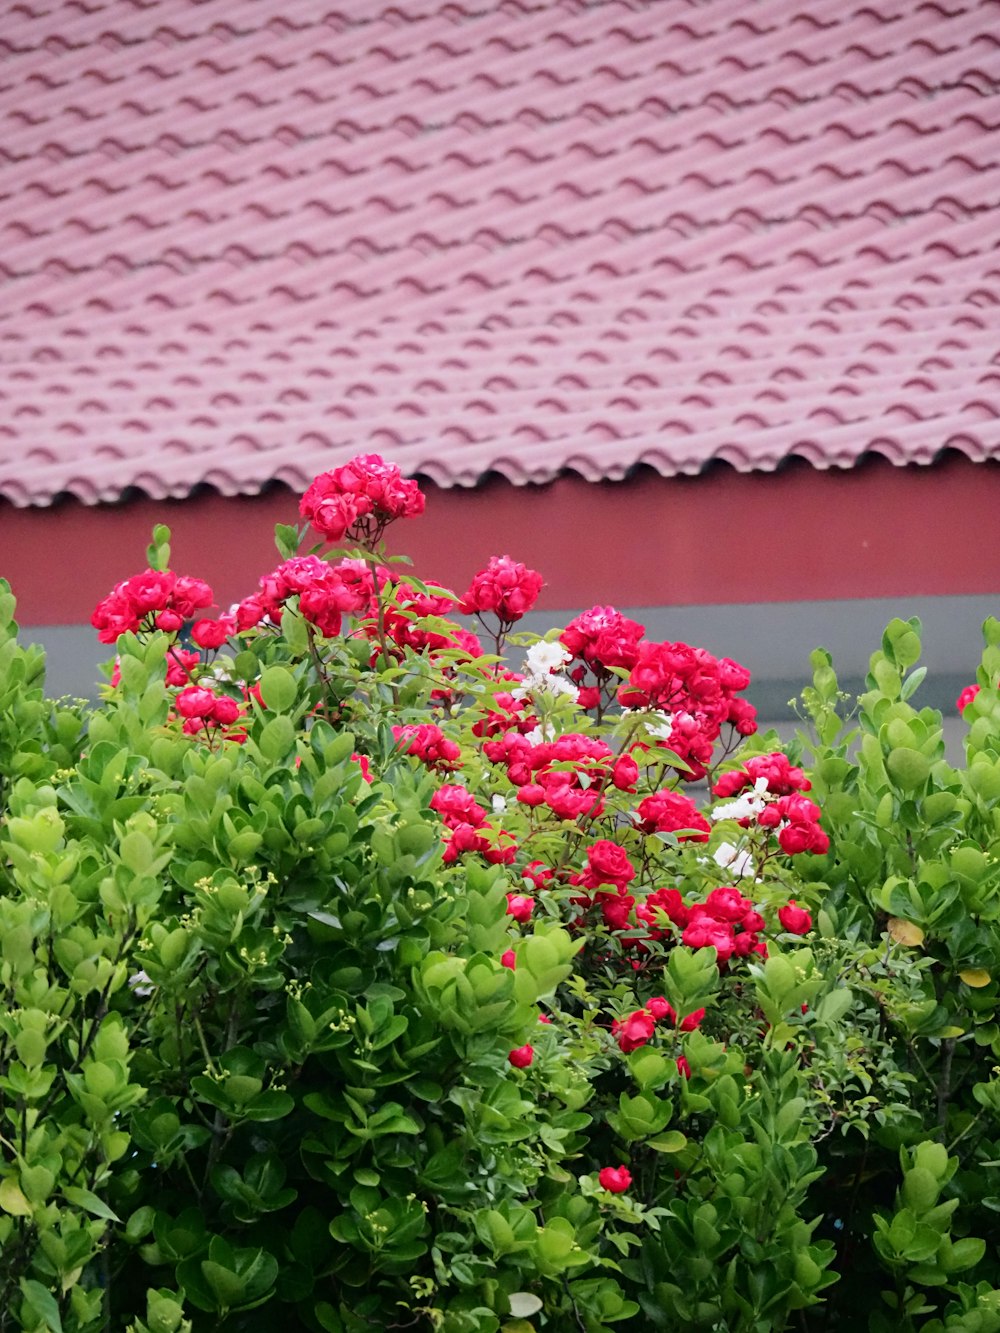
pixel 772 639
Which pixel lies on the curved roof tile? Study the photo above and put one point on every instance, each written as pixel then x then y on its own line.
pixel 513 238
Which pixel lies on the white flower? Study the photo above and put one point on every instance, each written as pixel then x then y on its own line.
pixel 660 725
pixel 541 658
pixel 141 984
pixel 539 735
pixel 748 804
pixel 729 857
pixel 499 805
pixel 540 662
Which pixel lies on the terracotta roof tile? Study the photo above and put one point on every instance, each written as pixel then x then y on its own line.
pixel 240 246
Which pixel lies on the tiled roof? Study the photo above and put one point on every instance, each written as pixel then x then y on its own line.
pixel 240 242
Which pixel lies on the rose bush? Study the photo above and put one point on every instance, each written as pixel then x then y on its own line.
pixel 354 979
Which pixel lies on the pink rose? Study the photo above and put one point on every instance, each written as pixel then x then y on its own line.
pixel 520 906
pixel 615 1179
pixel 522 1056
pixel 633 1031
pixel 796 920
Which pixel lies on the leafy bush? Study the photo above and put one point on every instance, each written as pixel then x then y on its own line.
pixel 354 981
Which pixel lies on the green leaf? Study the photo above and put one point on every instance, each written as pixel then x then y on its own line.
pixel 86 1199
pixel 286 539
pixel 913 682
pixel 12 1199
pixel 278 689
pixel 43 1303
pixel 227 1287
pixel 277 738
pixel 672 1141
pixel 834 1005
pixel 271 1105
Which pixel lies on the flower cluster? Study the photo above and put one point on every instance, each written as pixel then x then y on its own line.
pixel 698 694
pixel 428 743
pixel 601 639
pixel 542 664
pixel 590 806
pixel 360 498
pixel 666 811
pixel 505 587
pixel 724 921
pixel 796 819
pixel 408 608
pixel 154 599
pixel 568 775
pixel 637 1028
pixel 780 776
pixel 206 712
pixel 470 829
pixel 325 592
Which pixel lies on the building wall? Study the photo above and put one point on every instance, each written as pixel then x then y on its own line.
pixel 758 567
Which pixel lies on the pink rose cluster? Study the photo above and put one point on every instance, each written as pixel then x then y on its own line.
pixel 780 774
pixel 567 775
pixel 699 694
pixel 601 639
pixel 637 1028
pixel 154 599
pixel 428 743
pixel 204 711
pixel 724 921
pixel 505 587
pixel 471 831
pixel 364 495
pixel 326 593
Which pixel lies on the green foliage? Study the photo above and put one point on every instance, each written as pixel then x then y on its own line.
pixel 258 1017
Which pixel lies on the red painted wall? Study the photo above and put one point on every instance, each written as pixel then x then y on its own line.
pixel 798 534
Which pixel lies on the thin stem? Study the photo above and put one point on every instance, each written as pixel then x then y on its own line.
pixel 944 1081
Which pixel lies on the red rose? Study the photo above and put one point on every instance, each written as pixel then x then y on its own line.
pixel 505 587
pixel 668 812
pixel 522 1056
pixel 225 711
pixel 633 1031
pixel 705 932
pixel 195 701
pixel 966 697
pixel 509 959
pixel 456 805
pixel 607 863
pixel 213 633
pixel 615 1179
pixel 727 904
pixel 520 906
pixel 796 920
